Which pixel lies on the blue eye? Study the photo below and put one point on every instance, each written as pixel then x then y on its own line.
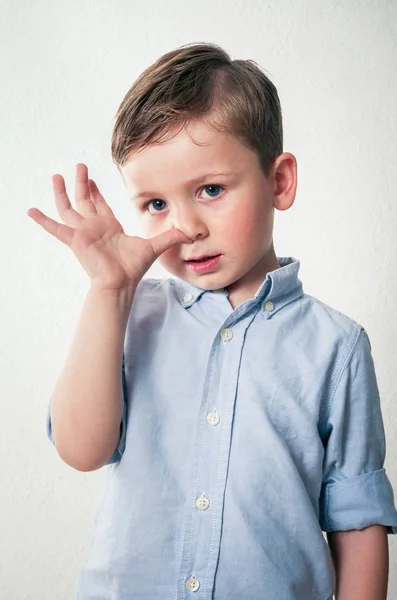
pixel 213 190
pixel 157 205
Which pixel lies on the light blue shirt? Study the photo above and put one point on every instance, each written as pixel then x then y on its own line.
pixel 245 434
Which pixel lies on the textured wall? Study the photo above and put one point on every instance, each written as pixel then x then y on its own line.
pixel 65 68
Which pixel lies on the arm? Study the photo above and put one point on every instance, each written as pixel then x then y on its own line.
pixel 361 560
pixel 87 402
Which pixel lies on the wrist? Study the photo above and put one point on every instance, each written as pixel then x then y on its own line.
pixel 119 300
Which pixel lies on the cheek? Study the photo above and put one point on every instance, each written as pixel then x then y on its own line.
pixel 249 230
pixel 242 224
pixel 152 227
pixel 149 228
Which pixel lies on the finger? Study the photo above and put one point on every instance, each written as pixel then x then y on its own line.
pixel 101 205
pixel 62 232
pixel 162 242
pixel 82 192
pixel 68 214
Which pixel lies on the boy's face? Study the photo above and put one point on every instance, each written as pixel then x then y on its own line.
pixel 215 192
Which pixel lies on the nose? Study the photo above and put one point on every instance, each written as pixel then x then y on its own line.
pixel 189 221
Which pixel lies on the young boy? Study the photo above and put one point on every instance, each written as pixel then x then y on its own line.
pixel 240 416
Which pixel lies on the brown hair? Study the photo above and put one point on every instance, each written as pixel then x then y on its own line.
pixel 200 81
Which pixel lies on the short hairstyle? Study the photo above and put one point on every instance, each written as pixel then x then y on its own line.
pixel 200 81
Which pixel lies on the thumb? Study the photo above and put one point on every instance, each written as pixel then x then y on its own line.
pixel 162 242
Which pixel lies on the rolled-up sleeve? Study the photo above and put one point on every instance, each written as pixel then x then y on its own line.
pixel 356 491
pixel 118 453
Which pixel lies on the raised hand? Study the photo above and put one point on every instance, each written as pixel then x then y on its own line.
pixel 112 259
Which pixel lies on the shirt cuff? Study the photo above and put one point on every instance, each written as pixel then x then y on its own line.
pixel 358 502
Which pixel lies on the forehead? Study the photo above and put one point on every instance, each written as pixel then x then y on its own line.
pixel 196 149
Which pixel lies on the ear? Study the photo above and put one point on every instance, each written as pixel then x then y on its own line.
pixel 285 180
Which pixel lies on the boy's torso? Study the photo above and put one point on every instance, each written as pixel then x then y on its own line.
pixel 217 493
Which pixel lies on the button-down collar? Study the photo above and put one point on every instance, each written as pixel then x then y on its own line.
pixel 280 287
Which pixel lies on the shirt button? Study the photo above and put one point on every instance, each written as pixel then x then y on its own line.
pixel 226 335
pixel 188 298
pixel 213 417
pixel 202 502
pixel 192 584
pixel 269 306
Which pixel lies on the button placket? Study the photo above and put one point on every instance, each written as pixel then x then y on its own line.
pixel 200 553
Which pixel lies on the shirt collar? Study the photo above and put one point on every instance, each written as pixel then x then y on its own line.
pixel 280 287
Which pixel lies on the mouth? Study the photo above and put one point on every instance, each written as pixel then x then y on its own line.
pixel 200 258
pixel 203 264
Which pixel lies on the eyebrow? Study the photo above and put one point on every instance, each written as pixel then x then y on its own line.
pixel 194 181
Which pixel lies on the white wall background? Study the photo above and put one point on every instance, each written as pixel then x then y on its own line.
pixel 65 66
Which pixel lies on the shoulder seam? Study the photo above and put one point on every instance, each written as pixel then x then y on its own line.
pixel 314 299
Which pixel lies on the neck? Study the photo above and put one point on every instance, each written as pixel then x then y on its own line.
pixel 245 288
